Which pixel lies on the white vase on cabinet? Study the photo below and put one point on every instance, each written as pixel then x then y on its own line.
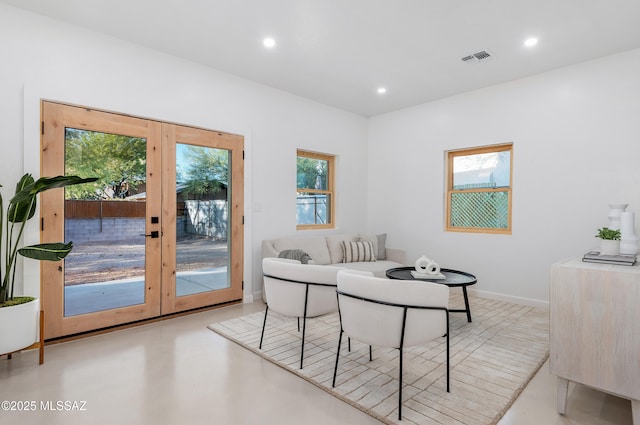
pixel 628 238
pixel 615 211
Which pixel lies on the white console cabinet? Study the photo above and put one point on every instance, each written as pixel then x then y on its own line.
pixel 595 329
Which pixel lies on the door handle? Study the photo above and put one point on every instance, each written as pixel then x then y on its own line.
pixel 154 234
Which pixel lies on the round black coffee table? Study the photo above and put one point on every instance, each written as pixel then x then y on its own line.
pixel 453 279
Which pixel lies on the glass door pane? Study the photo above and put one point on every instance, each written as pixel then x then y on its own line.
pixel 202 219
pixel 202 204
pixel 106 222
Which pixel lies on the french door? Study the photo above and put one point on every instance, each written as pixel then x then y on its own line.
pixel 160 231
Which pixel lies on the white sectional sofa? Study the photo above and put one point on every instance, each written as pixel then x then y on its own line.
pixel 325 250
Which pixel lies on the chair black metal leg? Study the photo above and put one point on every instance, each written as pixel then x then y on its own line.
pixel 400 389
pixel 335 370
pixel 448 354
pixel 304 327
pixel 448 362
pixel 264 323
pixel 304 323
pixel 404 327
pixel 298 324
pixel 370 354
pixel 349 343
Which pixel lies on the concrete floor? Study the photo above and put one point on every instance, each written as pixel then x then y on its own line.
pixel 178 372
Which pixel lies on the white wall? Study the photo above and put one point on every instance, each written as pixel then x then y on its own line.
pixel 576 150
pixel 562 124
pixel 44 58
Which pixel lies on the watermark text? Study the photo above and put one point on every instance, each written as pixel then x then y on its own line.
pixel 43 405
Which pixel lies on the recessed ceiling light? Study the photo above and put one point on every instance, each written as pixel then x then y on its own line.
pixel 381 90
pixel 530 42
pixel 269 43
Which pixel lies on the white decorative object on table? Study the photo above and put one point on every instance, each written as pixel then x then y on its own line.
pixel 615 210
pixel 628 238
pixel 426 268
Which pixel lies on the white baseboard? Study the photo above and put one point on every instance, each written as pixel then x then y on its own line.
pixel 510 298
pixel 257 296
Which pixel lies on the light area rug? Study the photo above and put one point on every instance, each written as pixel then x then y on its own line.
pixel 492 360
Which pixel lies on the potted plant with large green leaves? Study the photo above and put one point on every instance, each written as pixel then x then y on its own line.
pixel 19 314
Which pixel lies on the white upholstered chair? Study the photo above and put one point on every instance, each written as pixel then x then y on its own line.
pixel 298 290
pixel 391 313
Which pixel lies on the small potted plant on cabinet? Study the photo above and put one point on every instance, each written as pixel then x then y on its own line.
pixel 609 241
pixel 19 314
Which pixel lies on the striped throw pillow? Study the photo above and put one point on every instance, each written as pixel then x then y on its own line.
pixel 353 252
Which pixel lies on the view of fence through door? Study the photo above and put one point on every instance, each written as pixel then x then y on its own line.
pixel 159 232
pixel 105 221
pixel 202 198
pixel 202 245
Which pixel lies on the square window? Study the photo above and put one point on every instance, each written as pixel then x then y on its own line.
pixel 479 189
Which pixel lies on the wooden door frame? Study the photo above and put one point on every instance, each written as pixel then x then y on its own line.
pixel 52 208
pixel 55 118
pixel 172 134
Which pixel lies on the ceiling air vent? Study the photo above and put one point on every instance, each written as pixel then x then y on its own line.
pixel 477 57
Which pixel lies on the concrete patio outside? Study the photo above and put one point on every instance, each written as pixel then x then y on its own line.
pixel 99 296
pixel 106 275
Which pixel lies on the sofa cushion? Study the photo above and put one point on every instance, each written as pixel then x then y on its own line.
pixel 378 268
pixel 357 251
pixel 379 244
pixel 316 247
pixel 334 243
